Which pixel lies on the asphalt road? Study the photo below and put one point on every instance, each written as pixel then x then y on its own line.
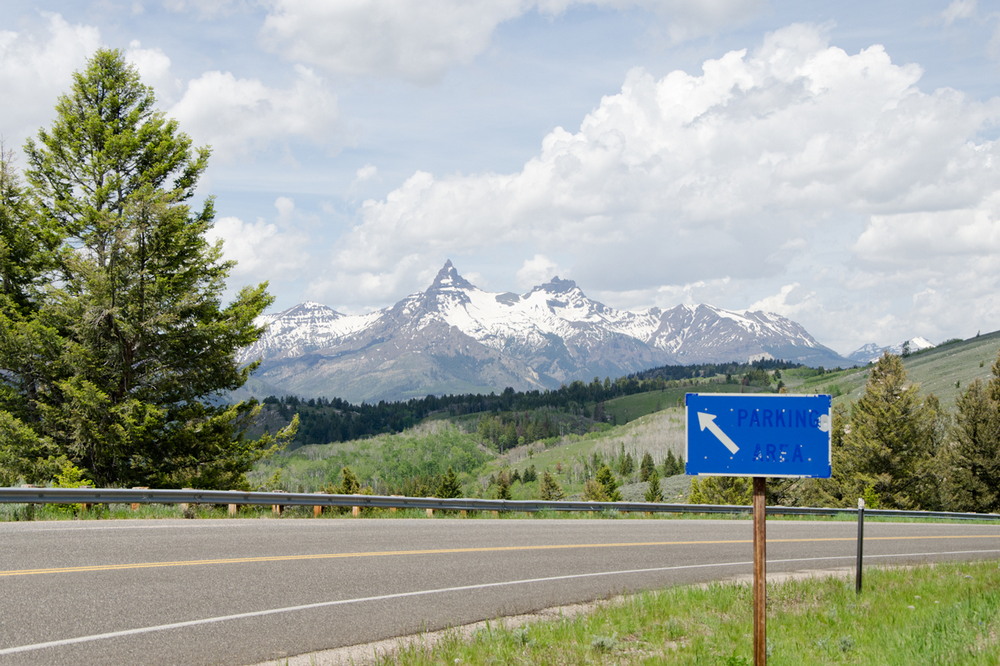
pixel 248 591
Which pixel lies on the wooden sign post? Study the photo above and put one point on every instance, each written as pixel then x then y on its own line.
pixel 759 571
pixel 758 436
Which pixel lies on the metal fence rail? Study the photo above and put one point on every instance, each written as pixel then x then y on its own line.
pixel 239 497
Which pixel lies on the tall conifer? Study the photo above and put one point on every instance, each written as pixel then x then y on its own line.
pixel 138 347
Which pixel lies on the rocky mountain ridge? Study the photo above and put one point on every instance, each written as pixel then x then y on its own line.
pixel 456 338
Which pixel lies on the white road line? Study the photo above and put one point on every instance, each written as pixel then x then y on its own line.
pixel 444 590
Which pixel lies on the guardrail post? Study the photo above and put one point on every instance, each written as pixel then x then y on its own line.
pixel 317 510
pixel 355 511
pixel 135 505
pixel 233 509
pixel 184 506
pixel 276 509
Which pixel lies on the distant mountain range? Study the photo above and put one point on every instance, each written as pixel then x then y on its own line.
pixel 456 338
pixel 871 352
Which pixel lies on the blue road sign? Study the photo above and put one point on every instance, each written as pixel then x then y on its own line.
pixel 758 435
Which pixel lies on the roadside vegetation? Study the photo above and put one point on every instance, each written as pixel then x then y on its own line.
pixel 939 614
pixel 894 445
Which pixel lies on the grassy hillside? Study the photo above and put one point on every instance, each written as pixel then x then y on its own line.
pixel 944 371
pixel 650 422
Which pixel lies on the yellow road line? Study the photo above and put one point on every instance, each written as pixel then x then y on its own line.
pixel 447 551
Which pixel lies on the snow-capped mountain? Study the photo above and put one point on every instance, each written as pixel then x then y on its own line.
pixel 871 352
pixel 457 338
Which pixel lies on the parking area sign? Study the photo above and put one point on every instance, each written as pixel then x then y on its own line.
pixel 758 435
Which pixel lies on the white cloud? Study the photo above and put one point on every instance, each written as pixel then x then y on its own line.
pixel 537 270
pixel 274 249
pixel 416 41
pixel 154 69
pixel 420 41
pixel 238 116
pixel 959 9
pixel 789 301
pixel 748 171
pixel 365 173
pixel 36 68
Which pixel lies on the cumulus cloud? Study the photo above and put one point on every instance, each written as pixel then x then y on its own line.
pixel 154 68
pixel 420 41
pixel 36 68
pixel 236 115
pixel 416 41
pixel 537 270
pixel 744 171
pixel 274 248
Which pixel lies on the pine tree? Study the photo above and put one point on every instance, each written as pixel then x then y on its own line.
pixel 503 486
pixel 627 465
pixel 671 465
pixel 653 492
pixel 136 346
pixel 349 483
pixel 549 489
pixel 606 478
pixel 890 443
pixel 732 490
pixel 450 487
pixel 646 467
pixel 593 491
pixel 974 479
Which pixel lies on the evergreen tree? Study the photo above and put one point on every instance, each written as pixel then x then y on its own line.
pixel 672 466
pixel 450 487
pixel 890 443
pixel 627 465
pixel 503 486
pixel 974 480
pixel 606 478
pixel 593 491
pixel 349 483
pixel 549 489
pixel 653 492
pixel 646 467
pixel 120 362
pixel 733 490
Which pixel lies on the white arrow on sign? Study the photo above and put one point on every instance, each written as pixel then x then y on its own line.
pixel 708 421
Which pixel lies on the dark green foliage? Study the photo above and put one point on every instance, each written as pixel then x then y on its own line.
pixel 626 465
pixel 502 486
pixel 653 491
pixel 606 478
pixel 349 484
pixel 549 488
pixel 974 481
pixel 672 465
pixel 536 415
pixel 529 475
pixel 449 487
pixel 646 466
pixel 734 490
pixel 889 446
pixel 594 491
pixel 118 362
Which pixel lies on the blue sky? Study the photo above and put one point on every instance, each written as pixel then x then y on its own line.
pixel 836 163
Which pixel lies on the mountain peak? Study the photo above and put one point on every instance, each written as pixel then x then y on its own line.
pixel 449 278
pixel 558 286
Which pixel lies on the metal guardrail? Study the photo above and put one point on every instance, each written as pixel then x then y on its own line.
pixel 239 497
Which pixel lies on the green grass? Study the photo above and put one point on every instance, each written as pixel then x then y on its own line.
pixel 941 614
